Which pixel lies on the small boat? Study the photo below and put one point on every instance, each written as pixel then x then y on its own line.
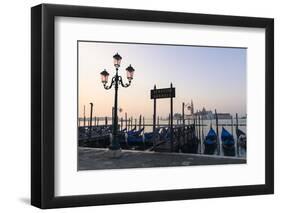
pixel 163 134
pixel 134 132
pixel 228 144
pixel 242 139
pixel 148 138
pixel 190 144
pixel 134 138
pixel 210 142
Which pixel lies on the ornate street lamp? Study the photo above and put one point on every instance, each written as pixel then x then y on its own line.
pixel 130 73
pixel 104 76
pixel 116 81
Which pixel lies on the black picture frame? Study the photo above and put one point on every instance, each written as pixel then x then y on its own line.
pixel 43 105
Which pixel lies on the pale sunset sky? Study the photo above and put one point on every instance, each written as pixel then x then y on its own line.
pixel 213 77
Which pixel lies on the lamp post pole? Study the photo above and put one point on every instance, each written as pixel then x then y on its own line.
pixel 116 80
pixel 115 144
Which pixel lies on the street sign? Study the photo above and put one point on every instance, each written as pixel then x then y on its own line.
pixel 163 93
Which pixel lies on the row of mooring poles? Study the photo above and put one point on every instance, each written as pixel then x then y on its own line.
pixel 197 121
pixel 232 132
pixel 132 122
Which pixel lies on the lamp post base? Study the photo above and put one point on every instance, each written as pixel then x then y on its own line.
pixel 114 144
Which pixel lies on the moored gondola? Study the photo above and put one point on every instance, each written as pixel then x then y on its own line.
pixel 135 132
pixel 210 142
pixel 241 138
pixel 190 142
pixel 135 137
pixel 228 144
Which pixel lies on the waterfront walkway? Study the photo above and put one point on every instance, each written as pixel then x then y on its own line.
pixel 96 158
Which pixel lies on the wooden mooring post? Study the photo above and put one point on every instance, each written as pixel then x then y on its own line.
pixel 140 122
pixel 126 121
pixel 91 116
pixel 218 137
pixel 237 145
pixel 199 126
pixel 154 120
pixel 169 119
pixel 203 137
pixel 194 123
pixel 231 124
pixel 197 122
pixel 172 119
pixel 84 117
pixel 158 123
pixel 183 122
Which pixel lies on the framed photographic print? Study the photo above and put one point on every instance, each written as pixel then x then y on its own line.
pixel 139 106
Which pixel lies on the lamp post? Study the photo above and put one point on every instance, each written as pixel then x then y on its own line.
pixel 112 114
pixel 116 81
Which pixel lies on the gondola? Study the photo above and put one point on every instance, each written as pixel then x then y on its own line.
pixel 190 143
pixel 210 142
pixel 241 137
pixel 134 138
pixel 135 132
pixel 148 138
pixel 228 144
pixel 132 130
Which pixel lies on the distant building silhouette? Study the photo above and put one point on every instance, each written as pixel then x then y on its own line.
pixel 205 114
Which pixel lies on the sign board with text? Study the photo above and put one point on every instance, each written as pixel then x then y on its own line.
pixel 163 93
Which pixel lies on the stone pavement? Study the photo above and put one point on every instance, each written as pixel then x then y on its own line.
pixel 96 158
